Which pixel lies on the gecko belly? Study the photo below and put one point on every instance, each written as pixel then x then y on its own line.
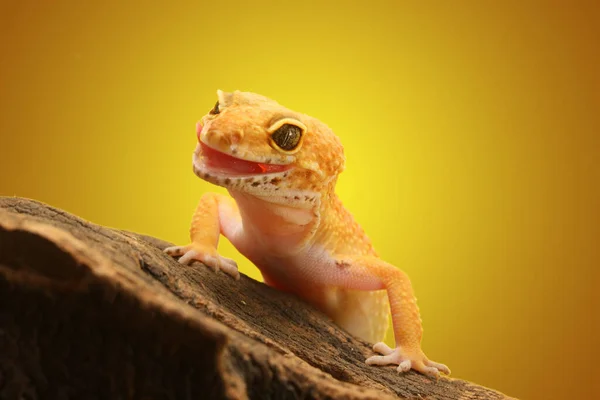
pixel 363 313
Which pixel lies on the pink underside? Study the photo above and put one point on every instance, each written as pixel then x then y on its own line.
pixel 215 159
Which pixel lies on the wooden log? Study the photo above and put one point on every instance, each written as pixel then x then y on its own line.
pixel 92 312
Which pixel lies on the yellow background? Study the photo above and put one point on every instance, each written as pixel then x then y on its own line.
pixel 471 132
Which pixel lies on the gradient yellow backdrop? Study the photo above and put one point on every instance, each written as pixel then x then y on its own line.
pixel 471 132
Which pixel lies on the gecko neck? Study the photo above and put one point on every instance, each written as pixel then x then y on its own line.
pixel 283 226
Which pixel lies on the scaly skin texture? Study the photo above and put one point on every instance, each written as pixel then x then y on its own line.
pixel 285 217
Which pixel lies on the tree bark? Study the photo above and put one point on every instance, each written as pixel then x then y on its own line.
pixel 92 312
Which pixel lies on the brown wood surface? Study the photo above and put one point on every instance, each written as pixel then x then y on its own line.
pixel 92 312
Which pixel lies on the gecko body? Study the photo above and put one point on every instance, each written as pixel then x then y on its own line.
pixel 280 168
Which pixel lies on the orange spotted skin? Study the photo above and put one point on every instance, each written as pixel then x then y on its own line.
pixel 280 168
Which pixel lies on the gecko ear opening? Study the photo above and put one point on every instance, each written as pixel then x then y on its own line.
pixel 286 135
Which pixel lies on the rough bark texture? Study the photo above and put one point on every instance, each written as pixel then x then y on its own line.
pixel 92 312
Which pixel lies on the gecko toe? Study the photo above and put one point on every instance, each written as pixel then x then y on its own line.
pixel 210 261
pixel 229 266
pixel 381 360
pixel 404 366
pixel 382 348
pixel 175 251
pixel 188 257
pixel 430 371
pixel 439 366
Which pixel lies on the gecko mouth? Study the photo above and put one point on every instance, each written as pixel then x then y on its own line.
pixel 225 164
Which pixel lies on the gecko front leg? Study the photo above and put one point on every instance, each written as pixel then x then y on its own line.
pixel 216 214
pixel 372 273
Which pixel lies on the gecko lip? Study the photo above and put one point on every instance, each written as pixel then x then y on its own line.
pixel 217 162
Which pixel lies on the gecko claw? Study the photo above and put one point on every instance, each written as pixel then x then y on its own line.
pixel 406 360
pixel 208 257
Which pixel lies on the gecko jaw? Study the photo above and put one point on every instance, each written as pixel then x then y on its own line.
pixel 206 157
pixel 235 173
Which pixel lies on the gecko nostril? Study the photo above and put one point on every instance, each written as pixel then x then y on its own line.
pixel 237 136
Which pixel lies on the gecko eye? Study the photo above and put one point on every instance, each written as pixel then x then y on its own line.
pixel 287 137
pixel 215 110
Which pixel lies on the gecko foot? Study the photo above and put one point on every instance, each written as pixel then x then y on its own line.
pixel 406 360
pixel 207 256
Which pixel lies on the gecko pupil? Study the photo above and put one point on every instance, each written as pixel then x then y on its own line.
pixel 287 136
pixel 215 110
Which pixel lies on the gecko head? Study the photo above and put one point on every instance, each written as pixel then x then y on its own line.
pixel 252 144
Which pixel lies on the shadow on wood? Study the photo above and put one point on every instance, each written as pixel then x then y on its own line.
pixel 92 312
